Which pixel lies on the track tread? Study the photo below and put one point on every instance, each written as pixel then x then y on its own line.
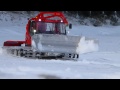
pixel 39 55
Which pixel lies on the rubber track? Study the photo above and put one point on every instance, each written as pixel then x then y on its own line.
pixel 39 55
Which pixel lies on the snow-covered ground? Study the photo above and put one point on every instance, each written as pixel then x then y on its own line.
pixel 101 64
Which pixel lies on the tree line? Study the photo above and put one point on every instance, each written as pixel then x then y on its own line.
pixel 93 13
pixel 96 18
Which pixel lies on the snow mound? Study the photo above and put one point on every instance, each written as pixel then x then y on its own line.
pixel 85 46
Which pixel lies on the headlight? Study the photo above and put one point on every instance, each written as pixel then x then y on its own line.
pixel 34 31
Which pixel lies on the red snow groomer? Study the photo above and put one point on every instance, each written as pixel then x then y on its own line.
pixel 46 37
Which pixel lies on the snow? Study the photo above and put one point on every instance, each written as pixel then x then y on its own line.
pixel 95 62
pixel 0 51
pixel 87 46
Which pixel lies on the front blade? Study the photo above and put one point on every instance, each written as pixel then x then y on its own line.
pixel 56 43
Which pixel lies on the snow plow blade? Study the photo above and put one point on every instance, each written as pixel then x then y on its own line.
pixel 58 43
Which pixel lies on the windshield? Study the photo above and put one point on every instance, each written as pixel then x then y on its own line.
pixel 57 28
